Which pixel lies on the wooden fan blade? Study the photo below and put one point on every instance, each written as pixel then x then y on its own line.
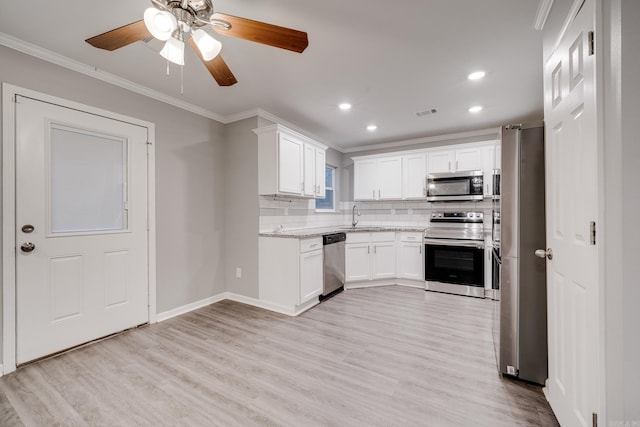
pixel 259 32
pixel 120 37
pixel 217 67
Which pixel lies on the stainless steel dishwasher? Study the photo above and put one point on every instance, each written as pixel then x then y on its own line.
pixel 333 264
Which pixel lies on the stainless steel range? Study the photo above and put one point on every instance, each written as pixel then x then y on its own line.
pixel 454 253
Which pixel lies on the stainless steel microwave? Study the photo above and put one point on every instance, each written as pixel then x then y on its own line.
pixel 456 186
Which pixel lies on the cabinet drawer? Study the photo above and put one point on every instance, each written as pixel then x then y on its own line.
pixel 385 236
pixel 410 237
pixel 307 245
pixel 358 237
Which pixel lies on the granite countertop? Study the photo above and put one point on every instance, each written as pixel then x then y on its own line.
pixel 306 233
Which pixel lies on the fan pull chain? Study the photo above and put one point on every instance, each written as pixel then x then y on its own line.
pixel 182 80
pixel 168 73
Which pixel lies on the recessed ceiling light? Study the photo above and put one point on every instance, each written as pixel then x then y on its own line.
pixel 475 109
pixel 477 75
pixel 372 128
pixel 344 106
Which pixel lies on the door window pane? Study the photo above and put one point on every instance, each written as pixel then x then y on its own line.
pixel 88 181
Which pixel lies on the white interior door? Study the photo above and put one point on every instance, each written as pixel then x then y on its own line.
pixel 571 173
pixel 81 227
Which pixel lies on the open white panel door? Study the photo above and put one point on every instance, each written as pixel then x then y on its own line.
pixel 571 176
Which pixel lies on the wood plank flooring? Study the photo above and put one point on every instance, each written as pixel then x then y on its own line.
pixel 388 356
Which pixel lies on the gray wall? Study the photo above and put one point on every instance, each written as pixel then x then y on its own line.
pixel 621 234
pixel 242 207
pixel 190 176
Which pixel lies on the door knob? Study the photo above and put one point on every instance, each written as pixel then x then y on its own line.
pixel 28 228
pixel 27 247
pixel 541 253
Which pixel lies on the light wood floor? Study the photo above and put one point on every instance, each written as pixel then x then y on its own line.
pixel 388 356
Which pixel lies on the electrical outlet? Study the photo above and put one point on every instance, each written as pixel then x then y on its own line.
pixel 238 272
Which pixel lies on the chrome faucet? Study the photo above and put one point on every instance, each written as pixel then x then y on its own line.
pixel 355 211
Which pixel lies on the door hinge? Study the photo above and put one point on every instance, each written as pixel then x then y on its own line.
pixel 592 232
pixel 592 43
pixel 149 143
pixel 594 420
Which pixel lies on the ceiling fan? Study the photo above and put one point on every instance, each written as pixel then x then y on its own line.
pixel 169 20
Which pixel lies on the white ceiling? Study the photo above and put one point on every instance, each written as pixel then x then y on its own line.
pixel 389 59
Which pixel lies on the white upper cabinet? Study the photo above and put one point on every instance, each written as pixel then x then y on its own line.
pixel 454 160
pixel 469 159
pixel 414 176
pixel 441 161
pixel 364 179
pixel 378 179
pixel 289 164
pixel 290 154
pixel 389 178
pixel 489 156
pixel 321 165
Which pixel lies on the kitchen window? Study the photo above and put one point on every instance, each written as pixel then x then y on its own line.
pixel 328 204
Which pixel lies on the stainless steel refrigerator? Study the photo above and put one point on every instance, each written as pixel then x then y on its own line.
pixel 522 294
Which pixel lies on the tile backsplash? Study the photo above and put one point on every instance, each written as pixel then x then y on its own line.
pixel 279 213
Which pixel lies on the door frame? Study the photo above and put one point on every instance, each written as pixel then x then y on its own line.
pixel 9 93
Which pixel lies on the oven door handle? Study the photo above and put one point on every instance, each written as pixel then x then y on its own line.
pixel 454 242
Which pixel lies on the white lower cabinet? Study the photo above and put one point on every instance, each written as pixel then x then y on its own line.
pixel 290 273
pixel 410 256
pixel 370 256
pixel 383 263
pixel 311 275
pixel 357 261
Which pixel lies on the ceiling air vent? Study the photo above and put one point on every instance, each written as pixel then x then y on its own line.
pixel 426 112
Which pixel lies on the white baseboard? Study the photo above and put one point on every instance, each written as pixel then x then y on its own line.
pixel 190 307
pixel 276 307
pixel 1 369
pixel 386 282
pixel 269 305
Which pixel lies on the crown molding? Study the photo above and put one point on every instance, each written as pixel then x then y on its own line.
pixel 88 70
pixel 492 133
pixel 544 7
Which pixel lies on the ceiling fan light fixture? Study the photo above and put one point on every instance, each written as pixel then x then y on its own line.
pixel 207 45
pixel 160 23
pixel 173 51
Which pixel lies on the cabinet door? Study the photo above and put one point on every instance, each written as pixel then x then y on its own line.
pixel 364 180
pixel 357 262
pixel 321 164
pixel 489 164
pixel 389 177
pixel 410 260
pixel 440 161
pixel 311 275
pixel 290 158
pixel 414 176
pixel 468 159
pixel 383 264
pixel 309 170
